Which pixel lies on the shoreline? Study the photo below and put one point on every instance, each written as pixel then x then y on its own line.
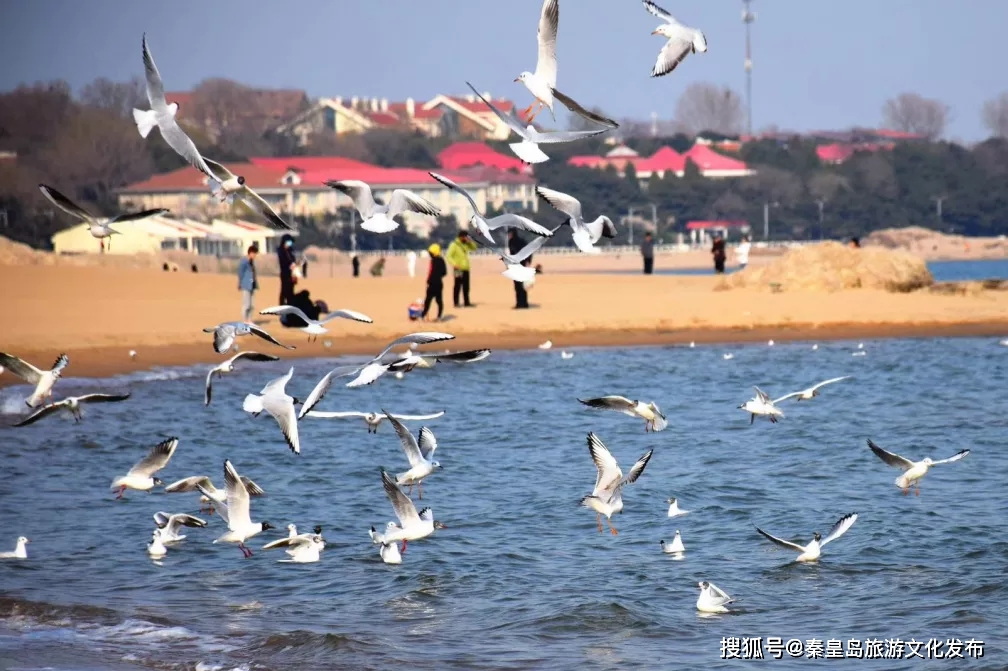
pixel 98 362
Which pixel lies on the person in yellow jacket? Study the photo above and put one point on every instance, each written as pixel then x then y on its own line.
pixel 458 256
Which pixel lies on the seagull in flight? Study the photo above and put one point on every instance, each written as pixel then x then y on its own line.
pixel 372 419
pixel 585 234
pixel 487 226
pixel 227 366
pixel 410 360
pixel 316 327
pixel 99 227
pixel 209 493
pixel 381 218
pixel 418 451
pixel 301 548
pixel 607 496
pixel 170 525
pixel 412 525
pixel 653 418
pixel 513 268
pixel 811 392
pixel 224 335
pixel 162 114
pixel 913 471
pixel 682 41
pixel 235 511
pixel 812 551
pixel 141 476
pixel 761 405
pixel 72 405
pixel 274 399
pixel 44 380
pixel 712 598
pixel 226 186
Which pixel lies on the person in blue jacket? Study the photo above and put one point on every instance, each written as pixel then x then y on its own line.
pixel 247 282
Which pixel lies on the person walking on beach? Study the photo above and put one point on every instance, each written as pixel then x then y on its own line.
pixel 647 251
pixel 515 245
pixel 287 262
pixel 742 252
pixel 247 282
pixel 355 262
pixel 435 281
pixel 458 257
pixel 718 250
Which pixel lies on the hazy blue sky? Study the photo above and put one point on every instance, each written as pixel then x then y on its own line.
pixel 817 64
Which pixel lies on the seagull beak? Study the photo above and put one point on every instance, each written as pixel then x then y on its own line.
pixel 655 32
pixel 517 79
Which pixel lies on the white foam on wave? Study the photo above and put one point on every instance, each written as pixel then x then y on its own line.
pixel 12 399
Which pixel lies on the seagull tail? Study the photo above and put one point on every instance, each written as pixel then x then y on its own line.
pixel 145 121
pixel 376 537
pixel 253 404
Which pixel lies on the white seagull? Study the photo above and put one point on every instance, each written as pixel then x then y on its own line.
pixel 546 345
pixel 389 552
pixel 224 335
pixel 487 226
pixel 171 524
pixel 226 186
pixel 675 547
pixel 209 493
pixel 673 509
pixel 528 149
pixel 372 419
pixel 162 115
pixel 412 525
pixel 141 476
pixel 301 548
pixel 42 379
pixel 682 41
pixel 913 471
pixel 99 227
pixel 380 218
pixel 584 233
pixel 72 405
pixel 274 399
pixel 761 405
pixel 20 551
pixel 235 512
pixel 712 598
pixel 652 415
pixel 728 356
pixel 607 496
pixel 156 548
pixel 513 268
pixel 566 355
pixel 227 366
pixel 410 360
pixel 316 327
pixel 812 551
pixel 811 392
pixel 418 451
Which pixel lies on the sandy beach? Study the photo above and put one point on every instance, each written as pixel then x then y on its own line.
pixel 98 314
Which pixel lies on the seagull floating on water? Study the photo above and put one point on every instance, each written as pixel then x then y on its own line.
pixel 728 356
pixel 72 405
pixel 811 392
pixel 141 476
pixel 389 552
pixel 812 551
pixel 274 399
pixel 763 406
pixel 225 334
pixel 566 355
pixel 487 226
pixel 20 550
pixel 372 419
pixel 675 547
pixel 682 41
pixel 673 509
pixel 226 186
pixel 584 233
pixel 171 524
pixel 412 525
pixel 652 415
pixel 98 227
pixel 209 493
pixel 913 471
pixel 607 496
pixel 44 380
pixel 156 548
pixel 316 327
pixel 380 218
pixel 301 548
pixel 712 598
pixel 227 366
pixel 235 512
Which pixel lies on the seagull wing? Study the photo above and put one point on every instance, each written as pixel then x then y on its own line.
pixel 184 147
pixel 427 442
pixel 840 528
pixel 508 119
pixel 417 418
pixel 637 469
pixel 289 541
pixel 419 338
pixel 220 170
pixel 617 403
pixel 672 54
pixel 277 385
pixel 403 200
pixel 784 398
pixel 259 204
pixel 251 487
pixel 223 337
pixel 511 220
pixel 64 203
pixel 466 356
pixel 762 395
pixel 558 200
pixel 609 473
pixel 254 356
pixel 409 443
pixel 155 87
pixel 658 11
pixel 893 460
pixel 237 498
pixel 549 23
pixel 42 412
pixel 718 595
pixel 137 216
pixel 576 108
pixel 322 387
pixel 282 409
pixel 955 457
pixel 528 250
pixel 401 504
pixel 458 189
pixel 256 331
pixel 561 136
pixel 781 542
pixel 22 369
pixel 189 484
pixel 830 381
pixel 102 398
pixel 601 227
pixel 347 314
pixel 359 192
pixel 156 459
pixel 208 389
pixel 337 415
pixel 287 310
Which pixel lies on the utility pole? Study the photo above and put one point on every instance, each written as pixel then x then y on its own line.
pixel 654 223
pixel 629 222
pixel 747 18
pixel 766 219
pixel 938 207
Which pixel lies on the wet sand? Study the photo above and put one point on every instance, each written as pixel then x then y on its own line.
pixel 97 314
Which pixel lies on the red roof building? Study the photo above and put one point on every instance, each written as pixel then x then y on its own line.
pixel 666 161
pixel 468 154
pixel 837 152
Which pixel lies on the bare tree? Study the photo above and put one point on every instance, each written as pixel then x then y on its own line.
pixel 876 173
pixel 729 205
pixel 774 184
pixel 912 113
pixel 826 185
pixel 703 106
pixel 995 115
pixel 119 98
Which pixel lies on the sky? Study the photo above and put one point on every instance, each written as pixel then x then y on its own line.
pixel 817 65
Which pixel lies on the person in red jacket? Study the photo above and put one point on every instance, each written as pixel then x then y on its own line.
pixel 435 281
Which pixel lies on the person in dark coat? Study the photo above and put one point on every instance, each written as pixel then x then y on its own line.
pixel 718 250
pixel 287 262
pixel 515 244
pixel 356 265
pixel 435 281
pixel 647 251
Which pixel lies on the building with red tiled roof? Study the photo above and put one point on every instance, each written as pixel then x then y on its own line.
pixel 296 185
pixel 666 161
pixel 837 152
pixel 467 154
